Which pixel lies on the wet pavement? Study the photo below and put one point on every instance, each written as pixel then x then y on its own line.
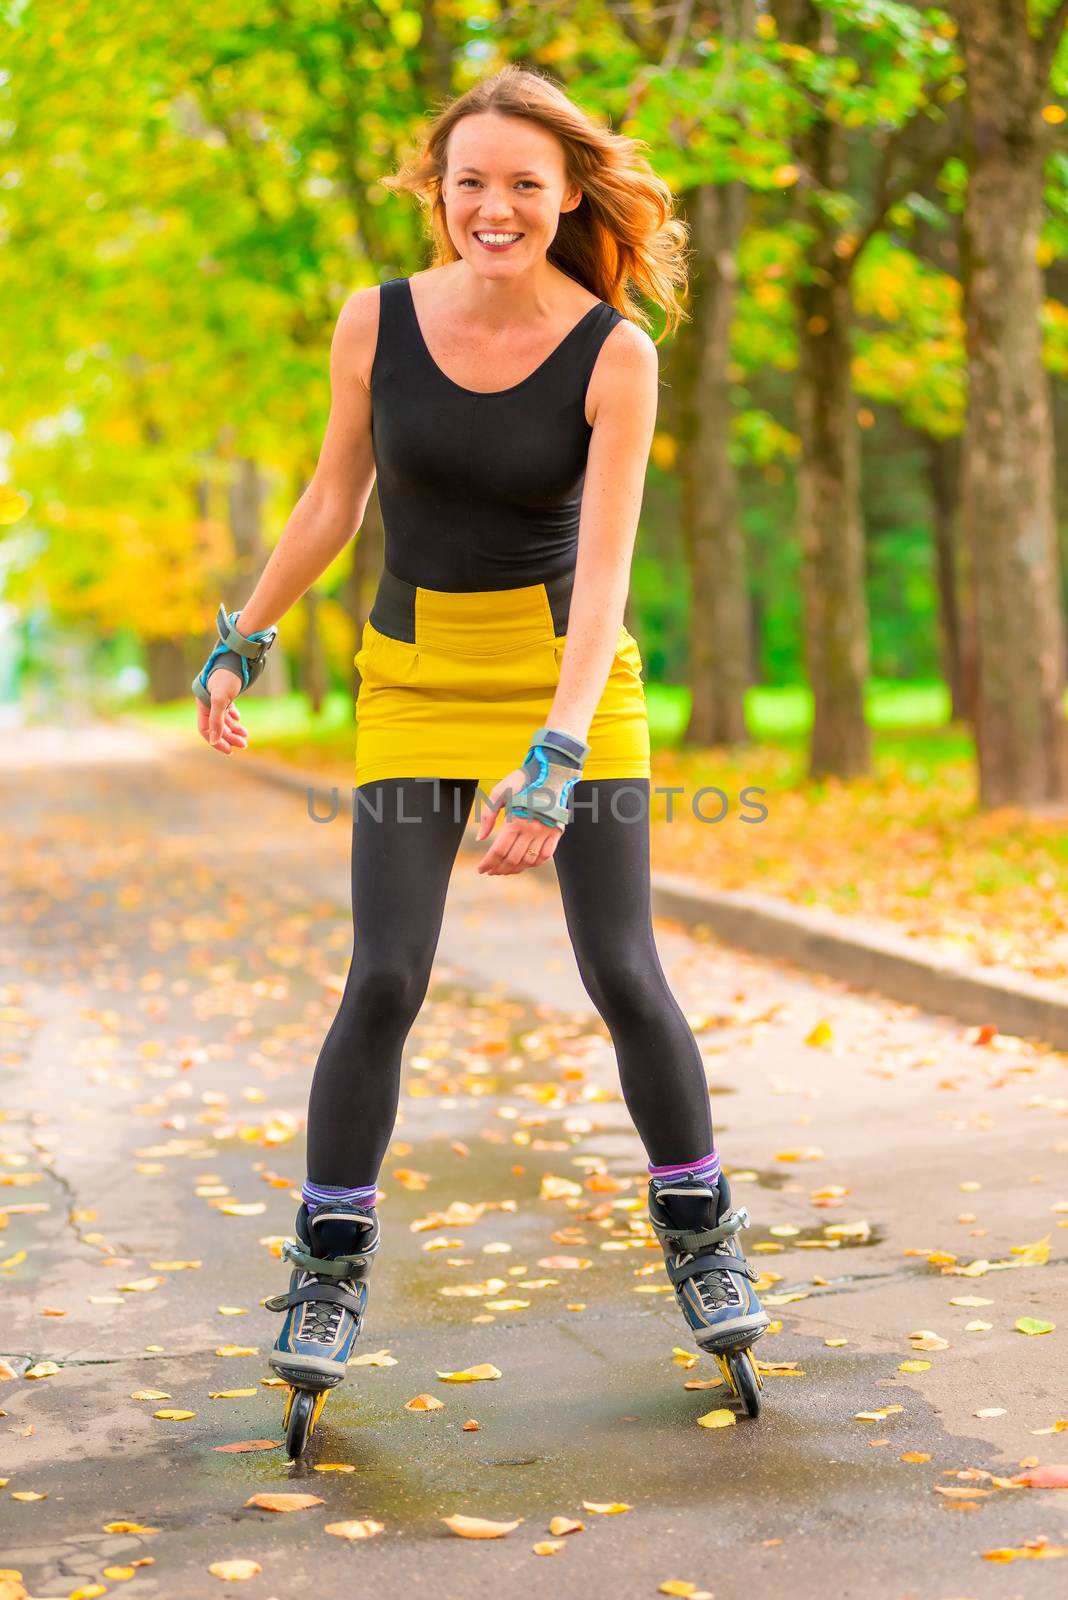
pixel 173 941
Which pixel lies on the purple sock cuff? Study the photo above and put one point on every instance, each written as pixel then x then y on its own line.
pixel 706 1167
pixel 319 1194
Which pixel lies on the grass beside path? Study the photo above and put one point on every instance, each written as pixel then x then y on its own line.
pixel 906 846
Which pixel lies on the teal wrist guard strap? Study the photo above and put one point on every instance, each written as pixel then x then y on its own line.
pixel 552 767
pixel 239 653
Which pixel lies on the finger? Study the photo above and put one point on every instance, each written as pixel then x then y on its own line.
pixel 219 707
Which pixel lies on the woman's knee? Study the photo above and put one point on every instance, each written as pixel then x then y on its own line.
pixel 625 989
pixel 383 991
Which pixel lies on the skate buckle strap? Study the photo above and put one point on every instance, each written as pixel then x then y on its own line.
pixel 679 1272
pixel 695 1239
pixel 336 1267
pixel 331 1292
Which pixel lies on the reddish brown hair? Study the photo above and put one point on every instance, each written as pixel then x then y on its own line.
pixel 621 241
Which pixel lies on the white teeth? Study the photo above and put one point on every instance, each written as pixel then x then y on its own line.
pixel 497 238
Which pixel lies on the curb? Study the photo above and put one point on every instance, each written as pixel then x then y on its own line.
pixel 861 953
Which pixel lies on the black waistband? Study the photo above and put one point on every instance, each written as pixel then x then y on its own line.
pixel 393 611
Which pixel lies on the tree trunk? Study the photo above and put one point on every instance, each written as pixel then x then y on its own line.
pixel 169 672
pixel 829 516
pixel 245 499
pixel 943 478
pixel 829 521
pixel 1007 503
pixel 720 648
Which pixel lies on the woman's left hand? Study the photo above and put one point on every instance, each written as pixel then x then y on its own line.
pixel 523 841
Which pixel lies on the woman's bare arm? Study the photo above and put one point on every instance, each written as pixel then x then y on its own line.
pixel 332 507
pixel 624 391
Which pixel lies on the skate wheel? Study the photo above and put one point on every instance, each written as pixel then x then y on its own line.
pixel 302 1413
pixel 745 1380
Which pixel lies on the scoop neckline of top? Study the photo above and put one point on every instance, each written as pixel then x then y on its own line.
pixel 488 393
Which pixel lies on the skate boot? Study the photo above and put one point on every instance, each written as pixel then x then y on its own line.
pixel 698 1229
pixel 324 1308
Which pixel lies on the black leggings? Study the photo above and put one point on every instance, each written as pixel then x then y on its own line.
pixel 400 875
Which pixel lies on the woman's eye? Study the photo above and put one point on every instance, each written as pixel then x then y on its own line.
pixel 529 181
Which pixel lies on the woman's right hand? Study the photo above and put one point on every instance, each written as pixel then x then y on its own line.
pixel 221 726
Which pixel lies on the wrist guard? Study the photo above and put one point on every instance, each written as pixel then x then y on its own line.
pixel 238 653
pixel 552 767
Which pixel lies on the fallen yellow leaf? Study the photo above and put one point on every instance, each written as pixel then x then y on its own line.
pixel 471 1374
pixel 607 1508
pixel 174 1416
pixel 234 1571
pixel 547 1547
pixel 284 1502
pixel 479 1527
pixel 720 1418
pixel 362 1529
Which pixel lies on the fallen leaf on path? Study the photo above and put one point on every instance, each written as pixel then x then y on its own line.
pixel 1032 1549
pixel 561 1525
pixel 606 1508
pixel 1022 1325
pixel 284 1502
pixel 424 1402
pixel 471 1374
pixel 721 1418
pixel 247 1444
pixel 479 1527
pixel 1043 1478
pixel 364 1528
pixel 235 1571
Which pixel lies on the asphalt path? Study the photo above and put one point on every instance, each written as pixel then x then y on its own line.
pixel 172 944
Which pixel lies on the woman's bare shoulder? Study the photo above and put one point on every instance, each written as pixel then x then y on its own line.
pixel 356 334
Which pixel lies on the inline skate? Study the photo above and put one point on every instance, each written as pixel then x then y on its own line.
pixel 324 1307
pixel 698 1229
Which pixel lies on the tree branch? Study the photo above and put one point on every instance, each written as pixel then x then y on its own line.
pixel 1050 38
pixel 890 191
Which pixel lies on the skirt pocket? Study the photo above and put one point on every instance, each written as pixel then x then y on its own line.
pixel 382 660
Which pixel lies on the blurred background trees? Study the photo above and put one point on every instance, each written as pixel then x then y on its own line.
pixel 853 481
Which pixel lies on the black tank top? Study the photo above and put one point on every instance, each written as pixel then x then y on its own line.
pixel 479 491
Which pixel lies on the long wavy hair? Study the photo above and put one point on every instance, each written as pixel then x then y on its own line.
pixel 621 241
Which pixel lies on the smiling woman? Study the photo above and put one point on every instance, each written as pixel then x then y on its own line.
pixel 505 399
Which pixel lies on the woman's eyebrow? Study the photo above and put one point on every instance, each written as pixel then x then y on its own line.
pixel 526 172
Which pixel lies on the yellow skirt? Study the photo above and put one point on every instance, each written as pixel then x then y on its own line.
pixel 464 699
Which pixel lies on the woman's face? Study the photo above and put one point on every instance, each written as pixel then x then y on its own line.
pixel 504 175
